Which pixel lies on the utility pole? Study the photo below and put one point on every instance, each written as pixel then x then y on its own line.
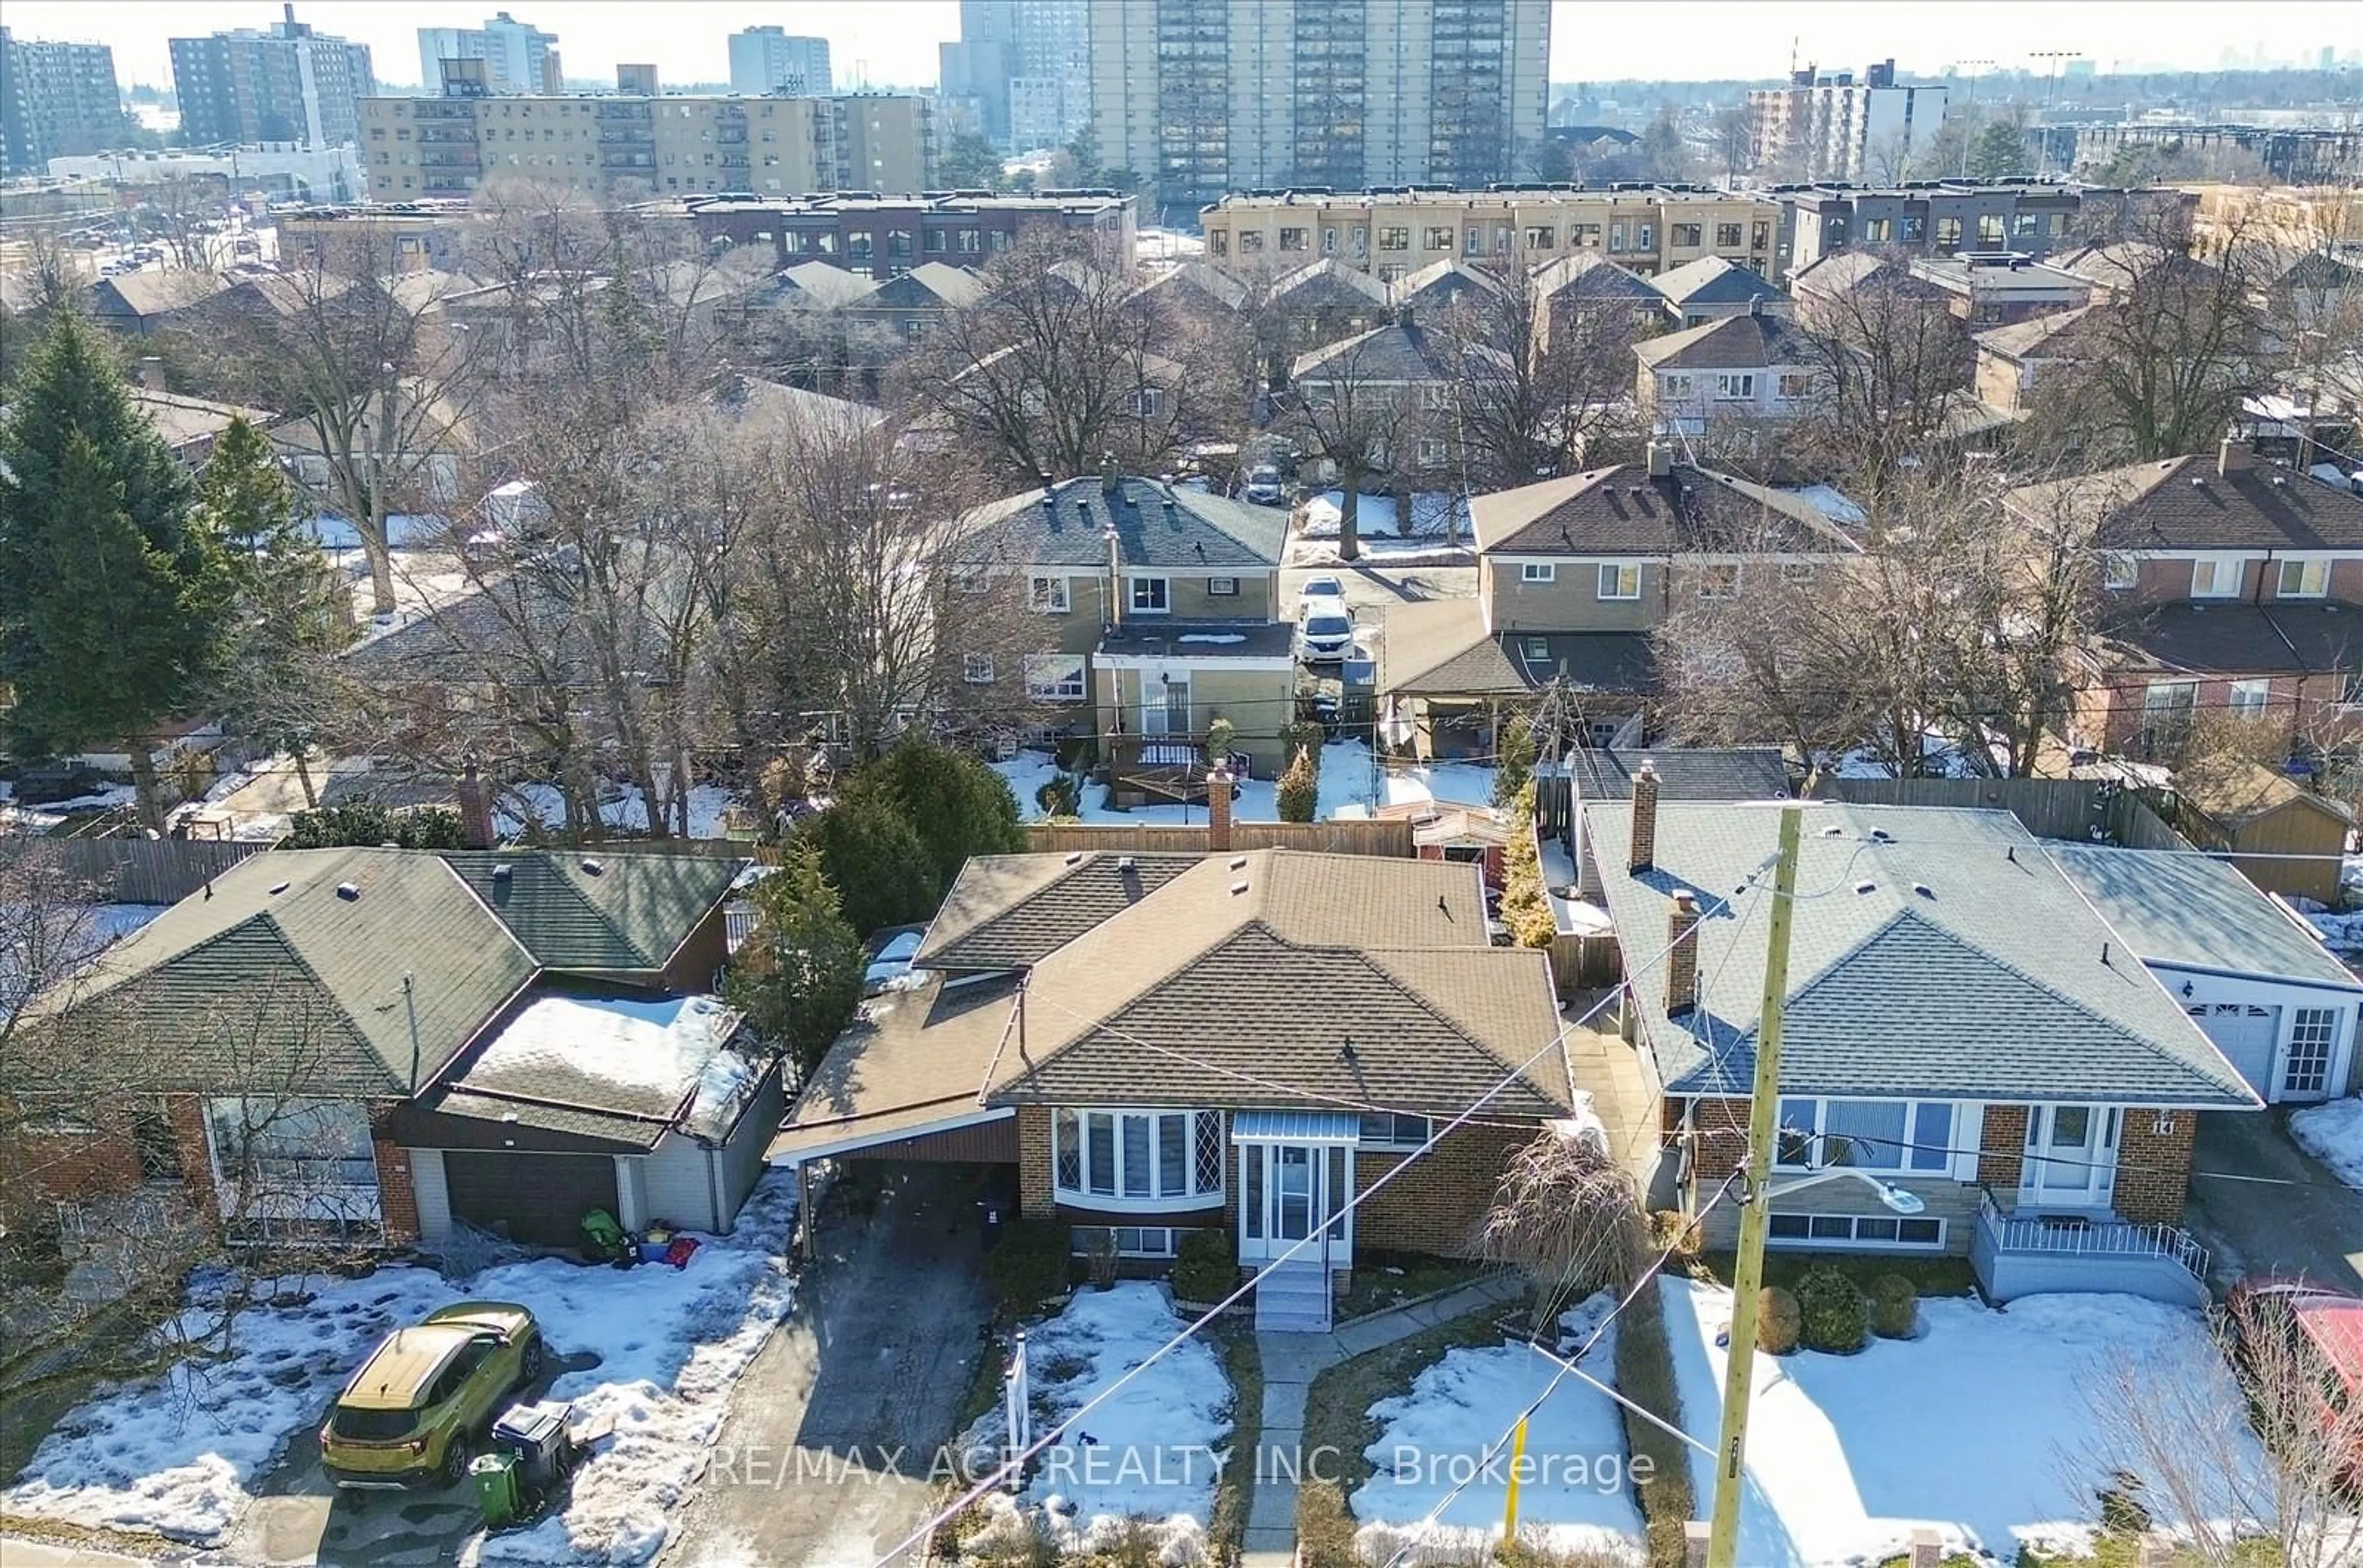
pixel 1755 1218
pixel 2050 97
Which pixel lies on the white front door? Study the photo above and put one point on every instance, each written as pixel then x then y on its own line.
pixel 1165 703
pixel 2305 1067
pixel 2070 1160
pixel 1287 1191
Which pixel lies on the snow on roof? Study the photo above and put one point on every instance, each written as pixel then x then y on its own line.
pixel 642 1055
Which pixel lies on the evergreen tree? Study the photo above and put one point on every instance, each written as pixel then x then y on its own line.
pixel 1999 153
pixel 1515 763
pixel 1298 794
pixel 111 597
pixel 883 871
pixel 970 163
pixel 958 805
pixel 799 977
pixel 284 626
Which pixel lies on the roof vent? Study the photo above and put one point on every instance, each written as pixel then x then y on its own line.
pixel 1865 887
pixel 1924 890
pixel 1239 886
pixel 349 891
pixel 278 887
pixel 1238 863
pixel 1831 831
pixel 591 867
pixel 501 874
pixel 1881 836
pixel 1074 857
pixel 2199 482
pixel 1124 862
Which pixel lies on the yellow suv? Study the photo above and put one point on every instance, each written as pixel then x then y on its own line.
pixel 407 1416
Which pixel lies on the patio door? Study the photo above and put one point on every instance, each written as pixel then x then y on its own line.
pixel 2070 1159
pixel 1287 1192
pixel 1165 704
pixel 2305 1069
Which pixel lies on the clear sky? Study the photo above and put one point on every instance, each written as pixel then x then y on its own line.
pixel 893 41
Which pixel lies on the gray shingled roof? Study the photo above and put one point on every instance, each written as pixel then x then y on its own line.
pixel 1734 343
pixel 630 914
pixel 1156 524
pixel 2185 503
pixel 1999 982
pixel 2199 913
pixel 1710 280
pixel 1684 773
pixel 1383 354
pixel 1621 510
pixel 1010 911
pixel 1587 275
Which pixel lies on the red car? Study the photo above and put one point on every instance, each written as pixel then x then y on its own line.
pixel 2284 1326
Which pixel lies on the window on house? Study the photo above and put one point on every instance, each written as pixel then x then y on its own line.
pixel 1794 385
pixel 1385 1129
pixel 1728 237
pixel 1394 237
pixel 1054 677
pixel 1328 242
pixel 1871 1135
pixel 1222 588
pixel 971 580
pixel 1291 239
pixel 1914 230
pixel 2215 579
pixel 1615 238
pixel 1250 239
pixel 1434 396
pixel 1719 580
pixel 1948 234
pixel 1732 387
pixel 1685 234
pixel 2119 570
pixel 2313 1036
pixel 1538 572
pixel 1137 1156
pixel 1796 572
pixel 1436 239
pixel 1620 580
pixel 1854 1230
pixel 1674 387
pixel 1878 230
pixel 2027 225
pixel 1431 452
pixel 1148 401
pixel 1151 595
pixel 1645 236
pixel 1473 243
pixel 1538 647
pixel 1760 237
pixel 2304 579
pixel 1541 236
pixel 1990 230
pixel 2249 698
pixel 1583 237
pixel 1048 594
pixel 1218 241
pixel 2167 706
pixel 976 669
pixel 290 1148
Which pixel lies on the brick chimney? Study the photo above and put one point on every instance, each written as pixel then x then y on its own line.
pixel 475 808
pixel 1645 817
pixel 1218 808
pixel 2231 456
pixel 1682 954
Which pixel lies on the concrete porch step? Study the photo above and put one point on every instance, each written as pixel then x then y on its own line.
pixel 1293 1298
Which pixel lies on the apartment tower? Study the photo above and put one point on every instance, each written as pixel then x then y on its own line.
pixel 286 84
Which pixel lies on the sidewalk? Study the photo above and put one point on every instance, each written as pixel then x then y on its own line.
pixel 1291 1363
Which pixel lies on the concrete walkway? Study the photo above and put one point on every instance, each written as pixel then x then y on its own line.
pixel 1291 1363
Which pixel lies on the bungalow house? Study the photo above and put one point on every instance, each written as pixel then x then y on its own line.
pixel 1160 1044
pixel 1322 302
pixel 191 425
pixel 2250 971
pixel 1754 367
pixel 1586 287
pixel 1712 289
pixel 375 1046
pixel 2294 840
pixel 1160 610
pixel 2236 586
pixel 144 302
pixel 1573 574
pixel 1960 1023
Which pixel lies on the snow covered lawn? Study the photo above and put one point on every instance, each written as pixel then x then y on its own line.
pixel 178 1455
pixel 1463 784
pixel 1154 1450
pixel 1975 1427
pixel 2334 1135
pixel 1575 1493
pixel 543 806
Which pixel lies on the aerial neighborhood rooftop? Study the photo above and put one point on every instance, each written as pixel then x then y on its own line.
pixel 1238 790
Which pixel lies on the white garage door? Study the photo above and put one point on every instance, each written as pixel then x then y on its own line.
pixel 2245 1035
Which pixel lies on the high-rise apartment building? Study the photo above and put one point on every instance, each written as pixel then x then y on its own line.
pixel 1834 128
pixel 57 100
pixel 1021 70
pixel 638 145
pixel 519 57
pixel 768 59
pixel 1202 97
pixel 286 84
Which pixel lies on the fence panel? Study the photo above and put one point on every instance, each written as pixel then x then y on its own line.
pixel 2049 808
pixel 1391 838
pixel 147 871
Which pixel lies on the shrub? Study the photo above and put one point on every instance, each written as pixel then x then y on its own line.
pixel 363 823
pixel 1644 1375
pixel 1779 1319
pixel 956 805
pixel 1834 1317
pixel 1220 736
pixel 1324 1530
pixel 1525 908
pixel 1300 789
pixel 1894 1307
pixel 1028 1267
pixel 1060 797
pixel 1205 1269
pixel 1304 735
pixel 1675 1232
pixel 1076 752
pixel 1099 1256
pixel 874 858
pixel 1514 763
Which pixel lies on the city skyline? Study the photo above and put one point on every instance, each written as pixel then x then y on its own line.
pixel 896 44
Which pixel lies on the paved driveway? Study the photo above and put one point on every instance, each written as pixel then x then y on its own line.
pixel 825 1458
pixel 2262 1204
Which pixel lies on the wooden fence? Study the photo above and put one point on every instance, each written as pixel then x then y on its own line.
pixel 1389 837
pixel 2087 810
pixel 145 871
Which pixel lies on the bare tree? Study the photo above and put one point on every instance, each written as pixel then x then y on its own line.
pixel 2238 1468
pixel 1360 412
pixel 1890 364
pixel 1565 1214
pixel 1061 360
pixel 1535 390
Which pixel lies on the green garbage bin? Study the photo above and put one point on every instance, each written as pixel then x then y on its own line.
pixel 497 1486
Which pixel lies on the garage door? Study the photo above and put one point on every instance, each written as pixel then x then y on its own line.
pixel 540 1199
pixel 2245 1035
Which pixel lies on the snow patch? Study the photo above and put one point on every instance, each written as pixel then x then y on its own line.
pixel 2334 1135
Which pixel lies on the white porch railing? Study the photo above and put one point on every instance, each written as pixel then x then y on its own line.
pixel 2105 1238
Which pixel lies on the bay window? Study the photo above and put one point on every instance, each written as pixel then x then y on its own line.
pixel 1153 1159
pixel 292 1157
